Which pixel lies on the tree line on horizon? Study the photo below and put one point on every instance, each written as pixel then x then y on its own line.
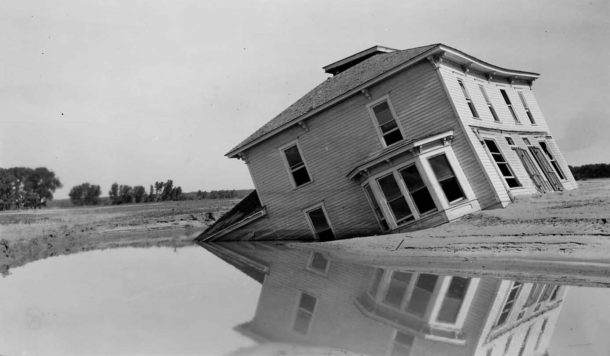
pixel 24 187
pixel 590 171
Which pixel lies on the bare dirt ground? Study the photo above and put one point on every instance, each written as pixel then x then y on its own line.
pixel 561 235
pixel 29 235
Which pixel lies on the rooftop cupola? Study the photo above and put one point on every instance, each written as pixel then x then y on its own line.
pixel 348 62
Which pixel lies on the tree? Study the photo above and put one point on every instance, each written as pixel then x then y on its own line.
pixel 114 193
pixel 125 194
pixel 23 187
pixel 85 194
pixel 139 194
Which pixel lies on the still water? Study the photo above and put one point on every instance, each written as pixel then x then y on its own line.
pixel 245 298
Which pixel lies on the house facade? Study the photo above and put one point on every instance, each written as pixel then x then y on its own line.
pixel 313 299
pixel 396 140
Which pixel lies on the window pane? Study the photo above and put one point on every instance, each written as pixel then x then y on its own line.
pixel 307 302
pixel 421 294
pixel 505 96
pixel 293 156
pixel 318 262
pixel 400 209
pixel 392 137
pixel 301 176
pixel 301 323
pixel 513 183
pixel 326 235
pixel 440 166
pixel 376 281
pixel 452 189
pixel 493 148
pixel 389 187
pixel 383 113
pixel 402 344
pixel 504 169
pixel 388 126
pixel 412 178
pixel 397 288
pixel 320 224
pixel 423 201
pixel 453 299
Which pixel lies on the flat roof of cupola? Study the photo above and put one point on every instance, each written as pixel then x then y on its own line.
pixel 347 62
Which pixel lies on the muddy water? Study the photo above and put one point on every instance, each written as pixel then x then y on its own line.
pixel 245 298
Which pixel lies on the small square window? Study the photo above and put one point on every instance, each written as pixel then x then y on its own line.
pixel 320 225
pixel 318 263
pixel 510 141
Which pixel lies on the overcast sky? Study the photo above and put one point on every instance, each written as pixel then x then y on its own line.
pixel 138 91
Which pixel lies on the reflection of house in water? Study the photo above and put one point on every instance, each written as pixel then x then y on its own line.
pixel 307 298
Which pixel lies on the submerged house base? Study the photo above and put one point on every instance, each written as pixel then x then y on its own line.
pixel 394 141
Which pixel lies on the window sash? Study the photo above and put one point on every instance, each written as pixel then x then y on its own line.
pixel 554 163
pixel 508 304
pixel 376 208
pixel 453 300
pixel 386 123
pixel 395 200
pixel 304 314
pixel 527 109
pixel 418 190
pixel 503 166
pixel 320 224
pixel 473 110
pixel 510 105
pixel 446 178
pixel 296 165
pixel 489 104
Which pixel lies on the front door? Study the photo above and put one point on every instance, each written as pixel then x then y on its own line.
pixel 541 184
pixel 546 168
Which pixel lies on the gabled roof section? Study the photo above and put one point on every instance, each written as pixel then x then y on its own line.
pixel 358 77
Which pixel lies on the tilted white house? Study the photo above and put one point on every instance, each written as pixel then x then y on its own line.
pixel 395 140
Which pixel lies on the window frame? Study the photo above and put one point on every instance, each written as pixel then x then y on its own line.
pixel 464 307
pixel 552 160
pixel 370 106
pixel 494 114
pixel 317 271
pixel 491 154
pixel 282 150
pixel 296 312
pixel 530 116
pixel 518 286
pixel 510 105
pixel 468 98
pixel 372 200
pixel 312 227
pixel 455 176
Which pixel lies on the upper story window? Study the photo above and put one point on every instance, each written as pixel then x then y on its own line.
pixel 305 310
pixel 473 110
pixel 527 108
pixel 396 201
pixel 319 223
pixel 554 163
pixel 385 120
pixel 453 301
pixel 510 141
pixel 446 178
pixel 503 166
pixel 508 304
pixel 418 190
pixel 489 104
pixel 296 166
pixel 510 105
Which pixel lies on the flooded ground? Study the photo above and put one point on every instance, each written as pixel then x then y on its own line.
pixel 254 298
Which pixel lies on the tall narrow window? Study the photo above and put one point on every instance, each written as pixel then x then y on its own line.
pixel 402 344
pixel 376 282
pixel 505 169
pixel 296 166
pixel 527 108
pixel 396 201
pixel 542 329
pixel 473 110
pixel 307 305
pixel 397 288
pixel 318 263
pixel 453 300
pixel 446 178
pixel 510 105
pixel 376 208
pixel 418 190
pixel 388 127
pixel 508 304
pixel 422 293
pixel 554 163
pixel 319 223
pixel 489 105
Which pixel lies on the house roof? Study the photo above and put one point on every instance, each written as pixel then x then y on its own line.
pixel 357 77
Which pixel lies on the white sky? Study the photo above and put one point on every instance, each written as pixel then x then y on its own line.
pixel 152 90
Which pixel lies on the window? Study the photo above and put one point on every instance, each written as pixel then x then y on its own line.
pixel 510 141
pixel 534 294
pixel 507 345
pixel 418 190
pixel 319 223
pixel 527 141
pixel 510 105
pixel 386 123
pixel 473 110
pixel 395 200
pixel 453 300
pixel 489 105
pixel 542 328
pixel 397 288
pixel 318 263
pixel 527 109
pixel 554 163
pixel 402 344
pixel 422 292
pixel 376 281
pixel 546 294
pixel 305 310
pixel 508 304
pixel 505 169
pixel 446 178
pixel 296 166
pixel 376 208
pixel 524 345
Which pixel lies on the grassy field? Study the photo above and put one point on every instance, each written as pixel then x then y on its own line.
pixel 29 235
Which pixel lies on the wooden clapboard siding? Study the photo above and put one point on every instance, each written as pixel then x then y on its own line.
pixel 569 183
pixel 337 140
